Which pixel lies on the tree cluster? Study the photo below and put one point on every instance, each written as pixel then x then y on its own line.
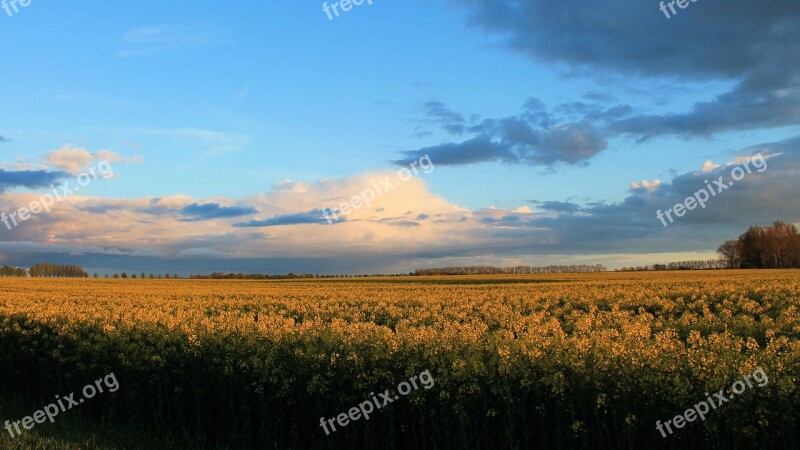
pixel 48 270
pixel 8 271
pixel 772 247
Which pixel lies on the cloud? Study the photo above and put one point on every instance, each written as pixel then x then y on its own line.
pixel 646 185
pixel 571 134
pixel 709 166
pixel 69 159
pixel 557 207
pixel 75 159
pixel 314 216
pixel 451 121
pixel 405 228
pixel 202 253
pixel 111 157
pixel 3 139
pixel 750 46
pixel 30 179
pixel 400 222
pixel 23 163
pixel 197 212
pixel 144 41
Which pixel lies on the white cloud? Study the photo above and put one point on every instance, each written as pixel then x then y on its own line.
pixel 709 166
pixel 645 184
pixel 76 159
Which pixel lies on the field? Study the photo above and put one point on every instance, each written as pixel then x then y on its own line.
pixel 541 361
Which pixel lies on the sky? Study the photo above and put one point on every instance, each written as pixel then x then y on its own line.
pixel 219 137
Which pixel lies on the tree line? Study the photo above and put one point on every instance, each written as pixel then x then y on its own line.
pixel 700 264
pixel 771 247
pixel 45 270
pixel 287 276
pixel 491 270
pixel 143 276
pixel 8 271
pixel 48 270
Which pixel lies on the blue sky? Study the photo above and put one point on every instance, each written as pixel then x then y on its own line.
pixel 212 103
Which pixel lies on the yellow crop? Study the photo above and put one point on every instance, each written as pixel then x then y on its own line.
pixel 550 361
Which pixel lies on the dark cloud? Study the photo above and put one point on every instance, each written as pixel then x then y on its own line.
pixel 315 216
pixel 751 44
pixel 451 121
pixel 746 107
pixel 631 226
pixel 475 150
pixel 197 212
pixel 558 207
pixel 569 135
pixel 503 221
pixel 30 179
pixel 403 223
pixel 706 40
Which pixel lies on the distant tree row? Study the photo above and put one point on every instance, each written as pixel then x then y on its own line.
pixel 773 247
pixel 490 270
pixel 8 271
pixel 263 276
pixel 701 264
pixel 48 270
pixel 461 270
pixel 133 276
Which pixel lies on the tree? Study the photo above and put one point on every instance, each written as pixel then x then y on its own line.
pixel 96 275
pixel 125 275
pixel 116 275
pixel 142 276
pixel 133 275
pixel 775 247
pixel 731 252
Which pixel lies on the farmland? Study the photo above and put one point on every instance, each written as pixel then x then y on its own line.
pixel 533 361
